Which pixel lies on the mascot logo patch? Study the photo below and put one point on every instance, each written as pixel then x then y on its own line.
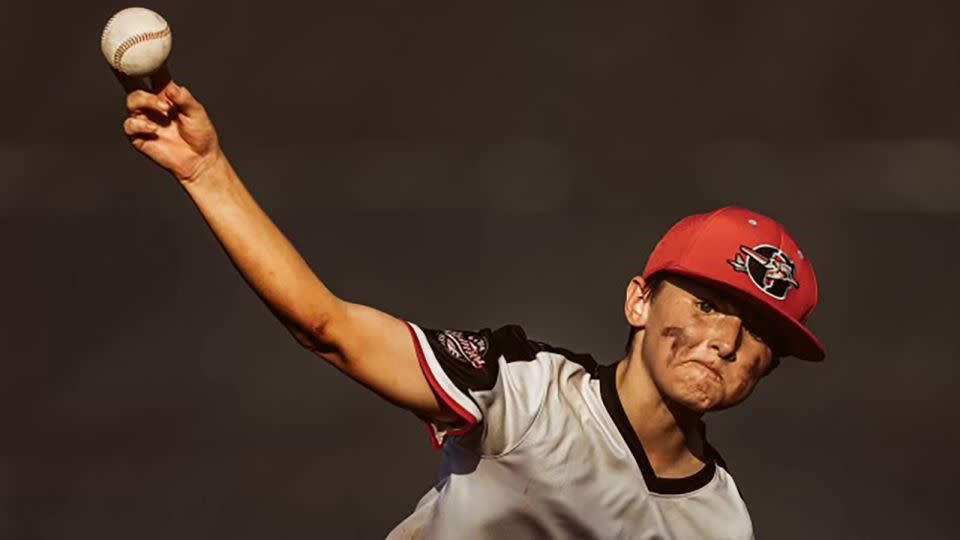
pixel 466 347
pixel 769 268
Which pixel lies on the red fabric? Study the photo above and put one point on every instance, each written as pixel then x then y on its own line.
pixel 702 246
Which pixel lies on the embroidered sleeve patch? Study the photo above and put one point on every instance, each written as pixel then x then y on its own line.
pixel 467 347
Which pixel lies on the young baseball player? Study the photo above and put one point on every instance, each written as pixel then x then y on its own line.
pixel 538 442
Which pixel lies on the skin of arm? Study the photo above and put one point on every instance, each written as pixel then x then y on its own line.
pixel 375 349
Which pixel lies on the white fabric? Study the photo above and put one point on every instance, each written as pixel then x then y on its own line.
pixel 551 463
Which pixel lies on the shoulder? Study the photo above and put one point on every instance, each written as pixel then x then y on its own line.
pixel 482 349
pixel 497 359
pixel 499 377
pixel 575 360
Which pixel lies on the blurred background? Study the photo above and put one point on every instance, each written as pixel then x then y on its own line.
pixel 467 166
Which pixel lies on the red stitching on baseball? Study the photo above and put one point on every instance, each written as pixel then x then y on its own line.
pixel 134 40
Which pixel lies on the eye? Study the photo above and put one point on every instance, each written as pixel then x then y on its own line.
pixel 706 306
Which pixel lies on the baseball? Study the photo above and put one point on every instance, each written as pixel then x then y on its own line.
pixel 136 41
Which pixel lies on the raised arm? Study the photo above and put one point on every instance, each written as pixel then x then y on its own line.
pixel 173 129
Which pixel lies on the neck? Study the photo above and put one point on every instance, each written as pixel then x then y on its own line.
pixel 669 432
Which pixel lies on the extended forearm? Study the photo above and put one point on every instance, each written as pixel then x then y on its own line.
pixel 263 255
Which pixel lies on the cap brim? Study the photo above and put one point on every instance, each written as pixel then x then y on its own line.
pixel 797 340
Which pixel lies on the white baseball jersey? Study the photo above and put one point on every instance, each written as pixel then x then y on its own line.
pixel 547 451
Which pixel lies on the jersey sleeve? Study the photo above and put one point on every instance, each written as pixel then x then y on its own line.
pixel 492 379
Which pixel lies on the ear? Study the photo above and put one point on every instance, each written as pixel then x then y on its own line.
pixel 637 305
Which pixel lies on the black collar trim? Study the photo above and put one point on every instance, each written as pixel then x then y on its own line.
pixel 665 486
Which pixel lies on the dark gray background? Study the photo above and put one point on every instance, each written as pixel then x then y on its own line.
pixel 467 166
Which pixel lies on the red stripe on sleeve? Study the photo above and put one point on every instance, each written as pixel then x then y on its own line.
pixel 436 437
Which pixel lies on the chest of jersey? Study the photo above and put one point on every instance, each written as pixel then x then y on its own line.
pixel 571 475
pixel 549 452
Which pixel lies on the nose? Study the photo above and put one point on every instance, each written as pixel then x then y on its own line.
pixel 726 335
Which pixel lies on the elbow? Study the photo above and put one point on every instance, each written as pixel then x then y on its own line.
pixel 322 331
pixel 314 333
pixel 316 338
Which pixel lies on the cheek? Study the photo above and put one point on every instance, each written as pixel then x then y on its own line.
pixel 740 382
pixel 672 344
pixel 738 390
pixel 666 354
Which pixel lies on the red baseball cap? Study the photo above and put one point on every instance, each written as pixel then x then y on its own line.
pixel 753 257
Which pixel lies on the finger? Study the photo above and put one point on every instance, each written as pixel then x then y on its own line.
pixel 141 100
pixel 130 84
pixel 140 141
pixel 184 100
pixel 139 126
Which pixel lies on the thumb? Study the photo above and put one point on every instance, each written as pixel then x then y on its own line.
pixel 183 99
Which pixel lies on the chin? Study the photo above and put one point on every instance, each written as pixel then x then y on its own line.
pixel 697 401
pixel 697 393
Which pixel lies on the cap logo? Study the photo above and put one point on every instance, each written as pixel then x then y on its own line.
pixel 468 347
pixel 769 268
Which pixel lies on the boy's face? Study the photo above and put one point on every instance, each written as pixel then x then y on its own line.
pixel 702 347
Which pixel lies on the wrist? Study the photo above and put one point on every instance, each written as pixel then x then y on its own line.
pixel 208 171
